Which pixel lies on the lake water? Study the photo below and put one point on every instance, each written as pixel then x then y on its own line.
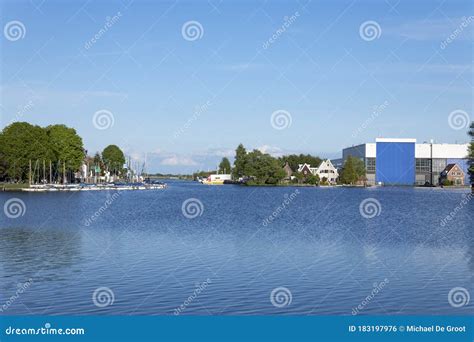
pixel 238 251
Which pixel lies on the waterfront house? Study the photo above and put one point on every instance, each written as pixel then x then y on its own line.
pixel 452 173
pixel 306 169
pixel 325 170
pixel 288 171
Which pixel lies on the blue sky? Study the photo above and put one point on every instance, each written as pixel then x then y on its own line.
pixel 187 103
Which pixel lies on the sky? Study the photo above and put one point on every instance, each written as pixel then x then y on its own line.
pixel 182 83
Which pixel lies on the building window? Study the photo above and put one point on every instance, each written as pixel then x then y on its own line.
pixel 370 164
pixel 423 165
pixel 439 165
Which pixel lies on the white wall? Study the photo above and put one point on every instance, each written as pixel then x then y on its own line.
pixel 370 150
pixel 442 151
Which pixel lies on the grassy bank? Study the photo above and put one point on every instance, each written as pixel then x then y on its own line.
pixel 13 187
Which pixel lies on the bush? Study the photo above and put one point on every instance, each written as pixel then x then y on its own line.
pixel 447 182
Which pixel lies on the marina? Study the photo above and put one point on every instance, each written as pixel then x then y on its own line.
pixel 94 187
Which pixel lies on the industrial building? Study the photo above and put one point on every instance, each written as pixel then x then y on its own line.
pixel 404 162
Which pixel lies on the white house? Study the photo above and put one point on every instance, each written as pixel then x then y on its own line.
pixel 328 171
pixel 325 170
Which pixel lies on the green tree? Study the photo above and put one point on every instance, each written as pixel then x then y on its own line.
pixel 66 146
pixel 352 171
pixel 240 162
pixel 263 168
pixel 294 160
pixel 299 177
pixel 113 159
pixel 348 173
pixel 224 166
pixel 359 167
pixel 312 179
pixel 21 143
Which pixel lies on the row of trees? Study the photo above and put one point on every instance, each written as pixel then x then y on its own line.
pixel 261 168
pixel 22 143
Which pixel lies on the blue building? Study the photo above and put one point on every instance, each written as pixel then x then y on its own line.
pixel 404 162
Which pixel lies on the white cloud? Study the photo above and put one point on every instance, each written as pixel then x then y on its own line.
pixel 430 29
pixel 178 161
pixel 272 150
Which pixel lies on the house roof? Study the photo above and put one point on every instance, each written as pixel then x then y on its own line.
pixel 449 167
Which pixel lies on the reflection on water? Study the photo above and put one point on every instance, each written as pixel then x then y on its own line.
pixel 154 259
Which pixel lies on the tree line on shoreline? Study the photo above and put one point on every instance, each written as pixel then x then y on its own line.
pixel 22 143
pixel 54 152
pixel 258 168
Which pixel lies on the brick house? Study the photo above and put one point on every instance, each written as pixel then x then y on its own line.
pixel 452 173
